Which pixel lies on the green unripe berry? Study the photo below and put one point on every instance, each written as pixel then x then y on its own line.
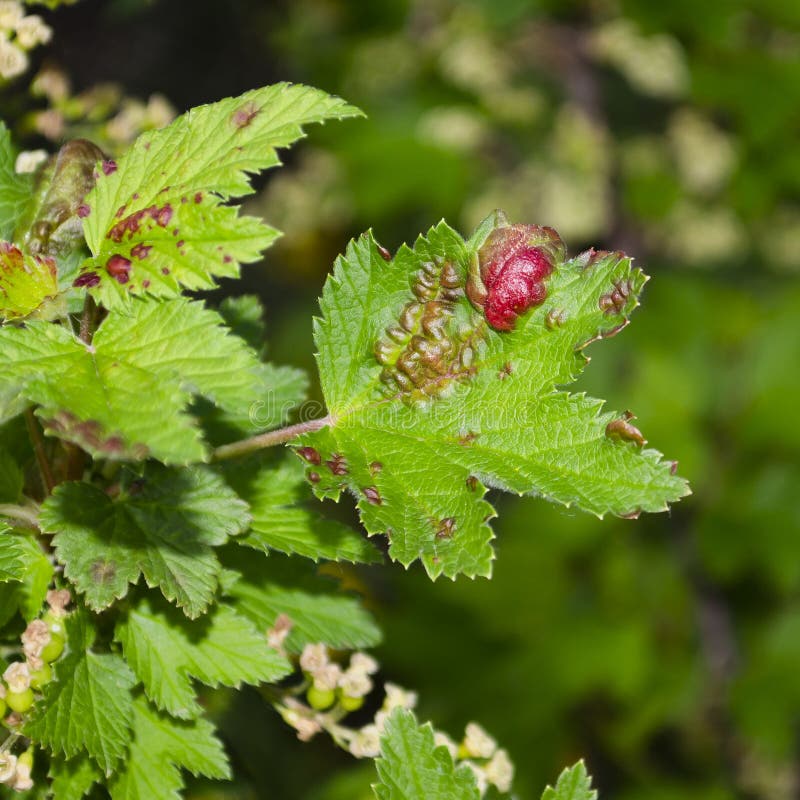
pixel 55 622
pixel 26 758
pixel 42 676
pixel 320 699
pixel 20 701
pixel 351 703
pixel 54 648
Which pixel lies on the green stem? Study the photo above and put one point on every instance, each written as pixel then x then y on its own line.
pixel 269 439
pixel 37 440
pixel 21 513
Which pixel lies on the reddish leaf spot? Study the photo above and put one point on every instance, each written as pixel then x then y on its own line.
pixel 446 528
pixel 198 198
pixel 119 268
pixel 84 211
pixel 226 259
pixel 310 454
pixel 373 496
pixel 512 267
pixel 375 467
pixel 180 244
pixel 164 215
pixel 165 270
pixel 141 251
pixel 109 167
pixel 385 254
pixel 622 429
pixel 472 483
pixel 243 116
pixel 337 464
pixel 120 212
pixel 88 279
pixel 145 283
pixel 314 477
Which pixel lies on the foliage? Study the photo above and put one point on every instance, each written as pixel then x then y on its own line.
pixel 662 650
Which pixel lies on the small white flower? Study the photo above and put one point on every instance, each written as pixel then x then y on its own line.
pixel 326 678
pixel 159 111
pixel 361 662
pixel 37 634
pixel 8 767
pixel 313 657
pixel 32 30
pixel 277 634
pixel 13 61
pixel 398 697
pixel 478 743
pixel 443 740
pixel 18 677
pixel 58 600
pixel 355 684
pixel 500 771
pixel 22 778
pixel 366 743
pixel 11 12
pixel 306 727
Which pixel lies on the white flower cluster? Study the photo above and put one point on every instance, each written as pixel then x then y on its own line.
pixel 19 32
pixel 15 772
pixel 478 751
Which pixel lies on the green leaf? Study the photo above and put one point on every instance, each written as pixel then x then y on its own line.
pixel 26 281
pixel 88 708
pixel 166 652
pixel 574 783
pixel 163 526
pixel 15 190
pixel 280 390
pixel 161 747
pixel 411 767
pixel 36 580
pixel 160 209
pixel 340 622
pixel 273 494
pixel 11 478
pixel 73 779
pixel 124 396
pixel 244 315
pixel 12 556
pixel 482 410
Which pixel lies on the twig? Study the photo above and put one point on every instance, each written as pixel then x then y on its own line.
pixel 21 513
pixel 269 439
pixel 35 433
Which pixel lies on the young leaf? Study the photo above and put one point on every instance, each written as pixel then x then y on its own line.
pixel 263 588
pixel 574 783
pixel 411 767
pixel 25 281
pixel 429 403
pixel 88 708
pixel 166 652
pixel 156 222
pixel 124 396
pixel 162 746
pixel 339 622
pixel 279 523
pixel 12 556
pixel 14 189
pixel 73 779
pixel 163 526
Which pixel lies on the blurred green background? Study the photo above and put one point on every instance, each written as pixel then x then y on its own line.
pixel 666 650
